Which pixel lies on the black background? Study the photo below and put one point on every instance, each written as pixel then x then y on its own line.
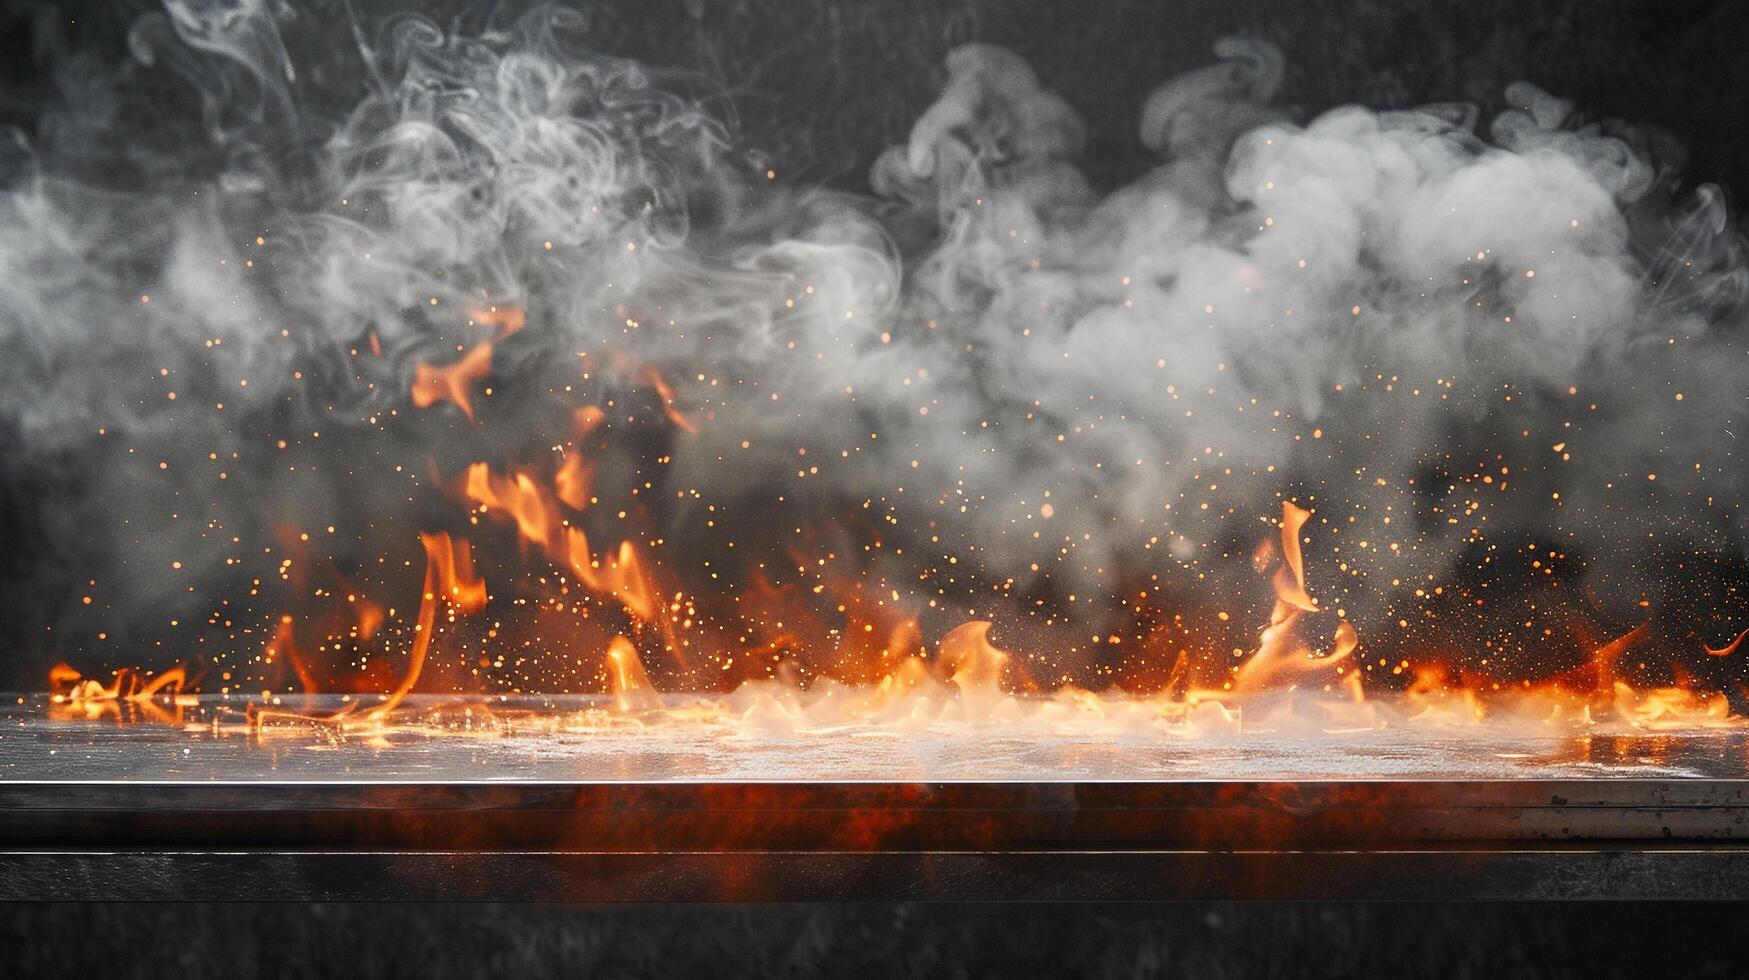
pixel 821 86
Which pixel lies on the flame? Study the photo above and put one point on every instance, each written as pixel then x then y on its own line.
pixel 1290 582
pixel 518 496
pixel 969 680
pixel 626 367
pixel 974 667
pixel 369 618
pixel 450 580
pixel 62 676
pixel 449 577
pixel 75 696
pixel 1607 656
pixel 622 577
pixel 1728 649
pixel 875 641
pixel 571 482
pixel 452 382
pixel 450 573
pixel 535 512
pixel 285 642
pixel 1279 653
pixel 665 391
pixel 627 681
pixel 973 664
pixel 128 685
pixel 508 319
pixel 904 638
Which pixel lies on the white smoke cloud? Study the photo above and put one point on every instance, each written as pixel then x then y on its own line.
pixel 1059 393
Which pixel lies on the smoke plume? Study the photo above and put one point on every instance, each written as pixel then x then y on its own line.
pixel 1500 360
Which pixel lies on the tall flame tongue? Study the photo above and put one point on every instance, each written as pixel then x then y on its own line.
pixel 975 667
pixel 627 682
pixel 449 578
pixel 450 583
pixel 1281 657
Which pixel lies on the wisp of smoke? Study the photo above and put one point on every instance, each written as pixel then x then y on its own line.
pixel 1502 363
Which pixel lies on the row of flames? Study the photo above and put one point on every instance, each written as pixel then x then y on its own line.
pixel 967 670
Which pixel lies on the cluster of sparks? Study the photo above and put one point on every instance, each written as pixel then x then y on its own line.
pixel 622 604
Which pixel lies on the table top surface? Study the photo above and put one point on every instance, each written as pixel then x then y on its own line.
pixel 574 739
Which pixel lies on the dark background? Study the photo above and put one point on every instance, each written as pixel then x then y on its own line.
pixel 1206 941
pixel 821 86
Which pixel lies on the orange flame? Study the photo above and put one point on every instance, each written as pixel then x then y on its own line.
pixel 626 679
pixel 450 572
pixel 519 497
pixel 973 664
pixel 622 577
pixel 571 482
pixel 285 641
pixel 1290 582
pixel 873 644
pixel 536 515
pixel 452 382
pixel 77 696
pixel 1728 649
pixel 449 576
pixel 654 379
pixel 370 618
pixel 646 374
pixel 1279 654
pixel 508 318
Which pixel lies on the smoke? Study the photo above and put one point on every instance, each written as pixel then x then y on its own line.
pixel 1502 363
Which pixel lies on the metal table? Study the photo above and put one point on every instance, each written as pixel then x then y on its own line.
pixel 104 812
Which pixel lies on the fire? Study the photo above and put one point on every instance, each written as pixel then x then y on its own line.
pixel 519 497
pixel 507 319
pixel 533 508
pixel 654 379
pixel 990 445
pixel 284 643
pixel 646 374
pixel 448 574
pixel 571 482
pixel 1280 655
pixel 882 668
pixel 452 382
pixel 156 699
pixel 974 666
pixel 621 576
pixel 370 618
pixel 450 583
pixel 627 681
pixel 1727 649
